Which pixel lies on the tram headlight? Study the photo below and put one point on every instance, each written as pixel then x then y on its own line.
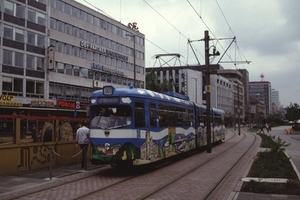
pixel 106 132
pixel 93 101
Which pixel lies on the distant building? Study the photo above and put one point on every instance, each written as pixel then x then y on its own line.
pixel 261 90
pixel 191 81
pixel 257 108
pixel 275 101
pixel 235 76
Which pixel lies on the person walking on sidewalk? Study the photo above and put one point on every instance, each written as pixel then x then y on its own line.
pixel 261 129
pixel 83 139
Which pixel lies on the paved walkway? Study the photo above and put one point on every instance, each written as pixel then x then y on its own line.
pixel 10 185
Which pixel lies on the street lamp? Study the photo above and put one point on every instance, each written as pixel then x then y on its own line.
pixel 134 72
pixel 196 98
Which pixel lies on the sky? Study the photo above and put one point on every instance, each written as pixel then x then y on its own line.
pixel 267 35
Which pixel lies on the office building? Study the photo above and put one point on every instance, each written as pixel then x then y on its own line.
pixel 55 53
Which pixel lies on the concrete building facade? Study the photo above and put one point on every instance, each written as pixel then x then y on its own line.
pixel 261 90
pixel 62 50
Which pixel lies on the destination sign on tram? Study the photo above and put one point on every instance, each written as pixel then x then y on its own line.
pixel 111 100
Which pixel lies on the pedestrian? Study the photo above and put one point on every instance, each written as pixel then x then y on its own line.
pixel 83 138
pixel 236 126
pixel 261 129
pixel 267 127
pixel 33 133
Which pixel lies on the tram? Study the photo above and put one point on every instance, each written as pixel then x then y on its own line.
pixel 136 126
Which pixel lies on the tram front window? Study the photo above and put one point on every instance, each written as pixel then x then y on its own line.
pixel 111 117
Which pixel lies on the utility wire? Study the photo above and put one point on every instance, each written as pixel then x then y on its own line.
pixel 168 22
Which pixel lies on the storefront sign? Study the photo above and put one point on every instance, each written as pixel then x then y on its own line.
pixel 42 104
pixel 66 104
pixel 8 100
pixel 71 105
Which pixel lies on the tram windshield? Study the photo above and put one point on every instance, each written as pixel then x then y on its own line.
pixel 109 117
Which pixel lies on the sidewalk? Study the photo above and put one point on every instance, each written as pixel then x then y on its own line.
pixel 21 183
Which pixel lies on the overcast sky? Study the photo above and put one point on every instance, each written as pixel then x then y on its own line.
pixel 267 34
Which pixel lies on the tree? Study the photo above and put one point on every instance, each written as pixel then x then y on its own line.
pixel 152 84
pixel 293 112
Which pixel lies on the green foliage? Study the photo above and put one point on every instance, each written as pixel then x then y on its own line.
pixel 293 112
pixel 272 163
pixel 152 84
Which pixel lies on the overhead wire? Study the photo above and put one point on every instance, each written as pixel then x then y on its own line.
pixel 217 40
pixel 237 47
pixel 167 22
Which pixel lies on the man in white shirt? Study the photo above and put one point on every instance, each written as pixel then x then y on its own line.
pixel 83 139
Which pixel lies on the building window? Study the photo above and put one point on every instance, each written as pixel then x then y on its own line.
pixel 30 62
pixel 69 9
pixel 40 63
pixel 96 57
pixel 69 29
pixel 19 35
pixel 90 37
pixel 12 85
pixel 8 7
pixel 68 49
pixel 76 12
pixel 76 71
pixel 97 21
pixel 69 69
pixel 8 32
pixel 30 38
pixel 83 53
pixel 76 51
pixel 83 34
pixel 61 6
pixel 76 32
pixel 83 15
pixel 41 19
pixel 19 59
pixel 90 55
pixel 97 76
pixel 40 41
pixel 61 26
pixel 90 18
pixel 60 47
pixel 53 23
pixel 90 74
pixel 31 16
pixel 7 57
pixel 60 68
pixel 34 88
pixel 103 77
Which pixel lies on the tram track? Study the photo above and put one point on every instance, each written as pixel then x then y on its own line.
pixel 156 183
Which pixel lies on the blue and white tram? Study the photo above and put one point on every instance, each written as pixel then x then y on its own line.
pixel 139 126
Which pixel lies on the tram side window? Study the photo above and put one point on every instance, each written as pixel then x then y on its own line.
pixel 139 113
pixel 191 117
pixel 179 117
pixel 163 115
pixel 201 118
pixel 152 115
pixel 185 116
pixel 218 120
pixel 172 116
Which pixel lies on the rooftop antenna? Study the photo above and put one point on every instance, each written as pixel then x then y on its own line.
pixel 262 76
